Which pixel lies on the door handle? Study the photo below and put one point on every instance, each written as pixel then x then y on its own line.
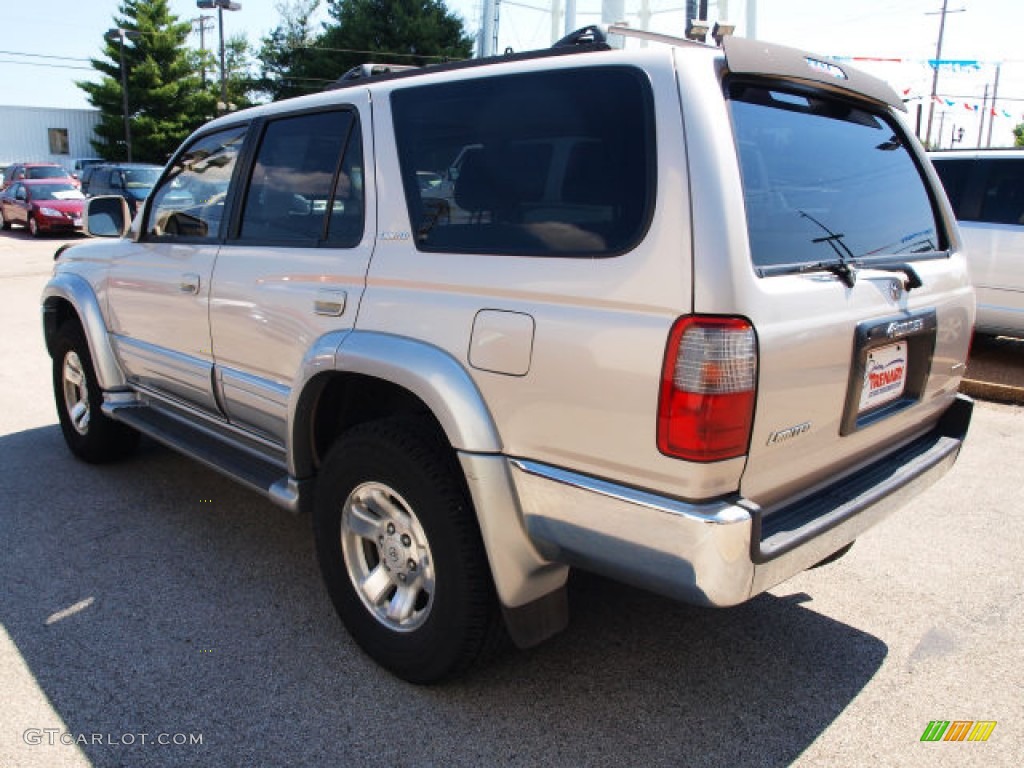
pixel 330 302
pixel 189 283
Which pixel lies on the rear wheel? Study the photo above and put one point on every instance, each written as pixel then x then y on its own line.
pixel 401 553
pixel 4 223
pixel 91 435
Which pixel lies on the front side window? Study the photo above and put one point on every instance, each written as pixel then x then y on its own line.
pixel 298 185
pixel 556 163
pixel 190 202
pixel 824 179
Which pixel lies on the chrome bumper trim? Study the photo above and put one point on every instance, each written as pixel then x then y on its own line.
pixel 710 553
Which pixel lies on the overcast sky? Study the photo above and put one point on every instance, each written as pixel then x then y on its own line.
pixel 43 54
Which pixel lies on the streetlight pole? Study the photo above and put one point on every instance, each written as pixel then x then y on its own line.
pixel 221 6
pixel 119 35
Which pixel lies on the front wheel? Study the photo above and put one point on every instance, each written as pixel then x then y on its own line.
pixel 91 435
pixel 33 227
pixel 400 551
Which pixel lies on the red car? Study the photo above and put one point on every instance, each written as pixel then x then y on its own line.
pixel 42 205
pixel 26 171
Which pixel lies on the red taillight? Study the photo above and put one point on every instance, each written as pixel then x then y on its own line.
pixel 708 382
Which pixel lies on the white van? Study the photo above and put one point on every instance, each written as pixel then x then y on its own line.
pixel 986 189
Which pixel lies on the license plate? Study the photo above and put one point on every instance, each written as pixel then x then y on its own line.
pixel 885 376
pixel 77 221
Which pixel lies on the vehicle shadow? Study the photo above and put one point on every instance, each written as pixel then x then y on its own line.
pixel 155 597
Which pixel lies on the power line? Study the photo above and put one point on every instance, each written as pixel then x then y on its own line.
pixel 42 56
pixel 374 53
pixel 50 66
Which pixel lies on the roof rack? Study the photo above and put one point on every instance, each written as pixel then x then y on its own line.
pixel 363 71
pixel 585 40
pixel 589 35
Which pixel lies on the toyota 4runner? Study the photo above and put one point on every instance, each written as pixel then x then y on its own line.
pixel 690 317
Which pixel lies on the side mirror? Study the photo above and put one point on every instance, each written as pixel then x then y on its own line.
pixel 106 216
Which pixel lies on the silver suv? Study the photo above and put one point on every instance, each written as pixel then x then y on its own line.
pixel 690 317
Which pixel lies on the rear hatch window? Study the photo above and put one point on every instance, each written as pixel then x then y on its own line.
pixel 847 367
pixel 825 180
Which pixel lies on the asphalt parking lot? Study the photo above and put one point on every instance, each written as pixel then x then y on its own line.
pixel 156 614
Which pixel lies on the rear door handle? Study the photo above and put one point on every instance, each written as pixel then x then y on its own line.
pixel 189 283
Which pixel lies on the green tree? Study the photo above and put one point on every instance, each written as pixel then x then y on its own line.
pixel 1018 135
pixel 296 60
pixel 243 86
pixel 166 100
pixel 285 64
pixel 414 32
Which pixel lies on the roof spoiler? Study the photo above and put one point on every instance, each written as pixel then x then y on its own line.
pixel 754 57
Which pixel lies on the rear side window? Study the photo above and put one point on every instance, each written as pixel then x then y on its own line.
pixel 956 177
pixel 1002 196
pixel 989 190
pixel 824 180
pixel 547 164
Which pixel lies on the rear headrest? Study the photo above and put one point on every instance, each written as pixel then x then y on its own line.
pixel 478 187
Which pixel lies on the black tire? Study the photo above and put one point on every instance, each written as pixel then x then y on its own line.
pixel 90 434
pixel 33 227
pixel 447 620
pixel 4 223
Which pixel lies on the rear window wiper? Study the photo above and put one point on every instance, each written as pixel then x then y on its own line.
pixel 846 270
pixel 913 279
pixel 841 268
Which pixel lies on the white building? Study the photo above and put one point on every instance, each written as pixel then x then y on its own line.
pixel 44 135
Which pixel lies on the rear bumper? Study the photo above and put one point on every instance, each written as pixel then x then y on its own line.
pixel 723 552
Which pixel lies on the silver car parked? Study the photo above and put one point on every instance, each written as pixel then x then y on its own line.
pixel 986 190
pixel 691 317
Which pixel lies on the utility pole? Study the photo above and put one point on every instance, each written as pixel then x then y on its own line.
pixel 203 29
pixel 118 35
pixel 221 6
pixel 935 67
pixel 984 109
pixel 995 95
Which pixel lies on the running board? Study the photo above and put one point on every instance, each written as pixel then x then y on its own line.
pixel 216 448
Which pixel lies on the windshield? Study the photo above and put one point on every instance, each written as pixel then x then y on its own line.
pixel 56 192
pixel 825 180
pixel 45 172
pixel 137 178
